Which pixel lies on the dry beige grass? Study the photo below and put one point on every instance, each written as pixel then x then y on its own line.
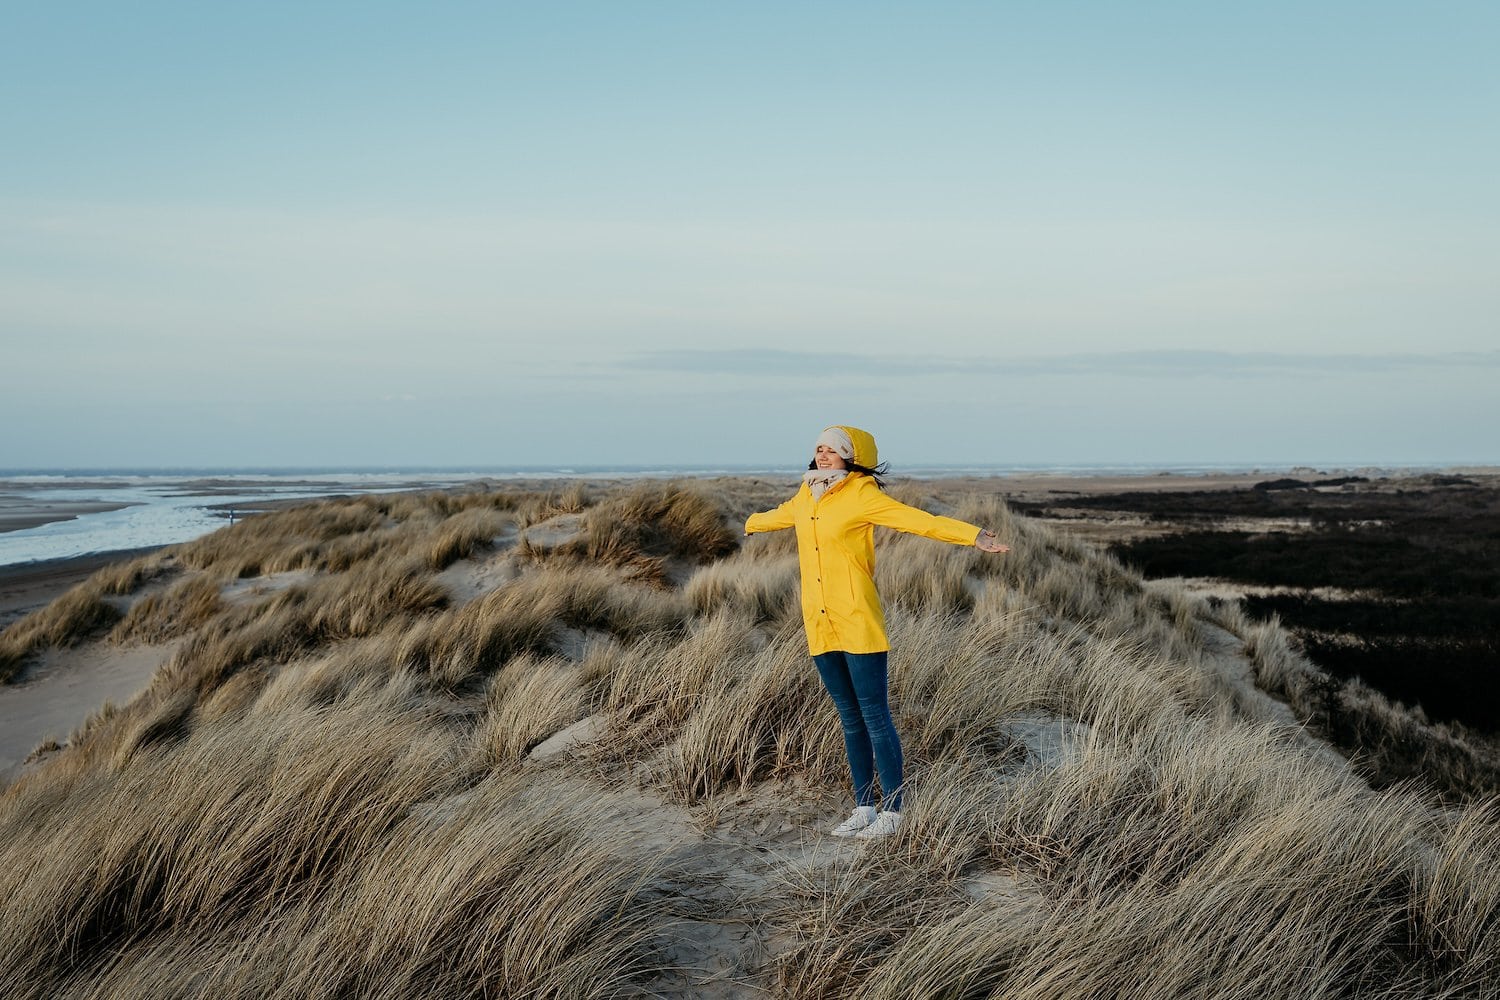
pixel 527 702
pixel 77 615
pixel 186 605
pixel 339 856
pixel 462 533
pixel 128 577
pixel 329 790
pixel 762 588
pixel 648 525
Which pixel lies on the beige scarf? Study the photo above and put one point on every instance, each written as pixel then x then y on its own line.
pixel 820 481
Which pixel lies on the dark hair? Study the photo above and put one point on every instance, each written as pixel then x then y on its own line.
pixel 883 469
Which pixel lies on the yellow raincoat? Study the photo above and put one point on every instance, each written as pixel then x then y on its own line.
pixel 836 548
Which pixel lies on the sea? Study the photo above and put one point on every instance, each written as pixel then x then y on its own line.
pixel 166 506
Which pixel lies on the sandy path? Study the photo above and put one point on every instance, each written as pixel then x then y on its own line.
pixel 64 688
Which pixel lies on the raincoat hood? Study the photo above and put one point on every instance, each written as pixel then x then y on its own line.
pixel 860 449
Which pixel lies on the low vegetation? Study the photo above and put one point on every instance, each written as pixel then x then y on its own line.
pixel 603 770
pixel 1391 588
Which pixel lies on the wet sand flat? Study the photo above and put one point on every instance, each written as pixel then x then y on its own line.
pixel 20 513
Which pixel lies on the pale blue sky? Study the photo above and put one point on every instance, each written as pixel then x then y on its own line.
pixel 657 232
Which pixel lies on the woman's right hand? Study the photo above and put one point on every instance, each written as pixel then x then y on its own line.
pixel 988 541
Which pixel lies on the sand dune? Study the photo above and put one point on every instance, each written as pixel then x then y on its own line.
pixel 569 744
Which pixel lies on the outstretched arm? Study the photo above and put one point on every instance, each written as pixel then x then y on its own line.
pixel 770 520
pixel 895 514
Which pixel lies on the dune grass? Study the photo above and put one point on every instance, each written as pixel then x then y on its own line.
pixel 1398 744
pixel 78 615
pixel 179 609
pixel 330 790
pixel 341 855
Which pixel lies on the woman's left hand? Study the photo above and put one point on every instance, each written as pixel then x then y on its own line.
pixel 988 541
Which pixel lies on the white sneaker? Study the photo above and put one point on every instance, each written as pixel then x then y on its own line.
pixel 885 824
pixel 862 817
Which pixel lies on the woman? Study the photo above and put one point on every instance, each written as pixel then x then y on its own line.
pixel 835 511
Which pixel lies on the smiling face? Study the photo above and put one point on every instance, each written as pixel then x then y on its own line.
pixel 827 458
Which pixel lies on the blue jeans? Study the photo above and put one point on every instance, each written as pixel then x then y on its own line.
pixel 857 684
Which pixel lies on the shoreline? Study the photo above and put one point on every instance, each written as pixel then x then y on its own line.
pixel 18 514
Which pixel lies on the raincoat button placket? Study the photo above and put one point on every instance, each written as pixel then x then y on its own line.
pixel 821 598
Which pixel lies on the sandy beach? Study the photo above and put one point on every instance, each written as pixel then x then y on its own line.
pixel 18 513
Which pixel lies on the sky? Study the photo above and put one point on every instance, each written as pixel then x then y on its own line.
pixel 653 232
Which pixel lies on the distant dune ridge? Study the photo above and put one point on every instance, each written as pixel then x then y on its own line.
pixel 569 744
